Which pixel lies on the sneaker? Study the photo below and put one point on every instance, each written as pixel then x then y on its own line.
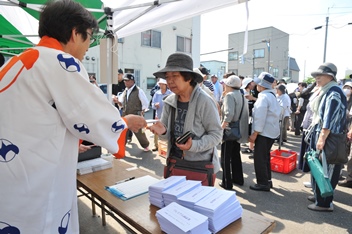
pixel 146 149
pixel 320 208
pixel 307 184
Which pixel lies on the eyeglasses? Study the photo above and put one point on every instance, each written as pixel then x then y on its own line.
pixel 92 39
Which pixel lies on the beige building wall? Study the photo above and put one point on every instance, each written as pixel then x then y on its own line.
pixel 279 44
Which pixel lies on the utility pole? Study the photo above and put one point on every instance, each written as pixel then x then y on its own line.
pixel 326 37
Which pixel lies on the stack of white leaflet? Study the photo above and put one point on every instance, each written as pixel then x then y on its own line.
pixel 173 193
pixel 175 218
pixel 155 190
pixel 189 199
pixel 221 207
pixel 92 165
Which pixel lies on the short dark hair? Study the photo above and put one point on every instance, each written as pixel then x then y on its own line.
pixel 189 76
pixel 59 18
pixel 303 84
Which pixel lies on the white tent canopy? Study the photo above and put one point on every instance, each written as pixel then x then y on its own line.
pixel 151 15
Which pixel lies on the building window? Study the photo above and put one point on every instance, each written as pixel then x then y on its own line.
pixel 257 71
pixel 233 56
pixel 151 81
pixel 151 38
pixel 275 72
pixel 259 53
pixel 184 44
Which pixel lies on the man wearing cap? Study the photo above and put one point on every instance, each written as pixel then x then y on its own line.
pixel 285 103
pixel 265 129
pixel 217 87
pixel 134 101
pixel 329 116
pixel 118 88
pixel 206 82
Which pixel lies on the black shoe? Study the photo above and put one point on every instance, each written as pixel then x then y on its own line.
pixel 311 198
pixel 223 186
pixel 155 149
pixel 345 183
pixel 342 178
pixel 260 187
pixel 247 151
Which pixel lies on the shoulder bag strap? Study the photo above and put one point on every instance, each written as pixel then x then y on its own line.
pixel 239 117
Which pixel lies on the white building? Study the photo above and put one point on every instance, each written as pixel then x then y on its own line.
pixel 145 53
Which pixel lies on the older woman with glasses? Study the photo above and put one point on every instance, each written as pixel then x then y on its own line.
pixel 194 110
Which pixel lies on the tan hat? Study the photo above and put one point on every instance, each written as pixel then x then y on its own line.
pixel 233 81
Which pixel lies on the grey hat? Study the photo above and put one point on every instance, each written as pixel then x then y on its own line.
pixel 326 69
pixel 266 80
pixel 179 62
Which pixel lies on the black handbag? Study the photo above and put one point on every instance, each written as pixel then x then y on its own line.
pixel 335 148
pixel 193 170
pixel 233 132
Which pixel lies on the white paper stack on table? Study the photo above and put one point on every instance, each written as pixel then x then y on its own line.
pixel 155 190
pixel 92 165
pixel 222 208
pixel 189 199
pixel 173 193
pixel 175 218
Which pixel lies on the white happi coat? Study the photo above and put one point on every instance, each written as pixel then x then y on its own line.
pixel 46 105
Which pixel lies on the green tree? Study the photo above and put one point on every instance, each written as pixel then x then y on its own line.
pixel 309 80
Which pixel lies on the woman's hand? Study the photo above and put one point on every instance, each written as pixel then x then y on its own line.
pixel 185 146
pixel 157 128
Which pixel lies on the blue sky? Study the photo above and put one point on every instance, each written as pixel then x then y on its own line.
pixel 297 18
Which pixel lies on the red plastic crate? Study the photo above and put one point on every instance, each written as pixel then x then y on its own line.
pixel 283 161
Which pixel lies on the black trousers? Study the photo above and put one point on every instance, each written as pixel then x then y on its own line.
pixel 231 164
pixel 262 167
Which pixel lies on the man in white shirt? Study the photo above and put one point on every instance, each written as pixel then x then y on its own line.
pixel 217 87
pixel 134 101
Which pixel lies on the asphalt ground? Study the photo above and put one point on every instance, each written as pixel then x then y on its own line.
pixel 286 203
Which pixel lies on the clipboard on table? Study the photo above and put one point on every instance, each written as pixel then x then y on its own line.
pixel 132 188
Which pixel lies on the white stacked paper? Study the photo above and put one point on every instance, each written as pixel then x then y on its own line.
pixel 175 218
pixel 173 193
pixel 222 208
pixel 189 199
pixel 155 190
pixel 92 165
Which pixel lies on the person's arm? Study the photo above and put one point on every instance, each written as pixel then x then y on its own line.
pixel 144 100
pixel 322 138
